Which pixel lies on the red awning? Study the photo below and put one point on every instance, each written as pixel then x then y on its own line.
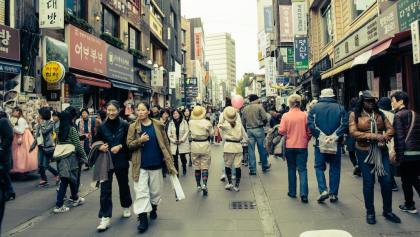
pixel 92 81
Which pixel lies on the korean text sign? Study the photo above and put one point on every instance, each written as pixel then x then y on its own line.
pixel 86 52
pixel 51 14
pixel 301 53
pixel 9 43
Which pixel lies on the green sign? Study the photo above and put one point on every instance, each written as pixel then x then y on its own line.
pixel 408 12
pixel 290 55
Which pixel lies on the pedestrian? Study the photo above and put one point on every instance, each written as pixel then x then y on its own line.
pixel 201 129
pixel 254 119
pixel 85 129
pixel 100 118
pixel 407 148
pixel 113 133
pixel 232 149
pixel 68 163
pixel 385 107
pixel 149 144
pixel 294 127
pixel 165 118
pixel 155 112
pixel 23 161
pixel 187 114
pixel 178 134
pixel 371 129
pixel 328 123
pixel 351 142
pixel 6 140
pixel 45 143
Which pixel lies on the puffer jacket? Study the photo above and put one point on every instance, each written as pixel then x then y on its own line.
pixel 402 122
pixel 361 131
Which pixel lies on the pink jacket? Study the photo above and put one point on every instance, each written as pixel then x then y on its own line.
pixel 294 125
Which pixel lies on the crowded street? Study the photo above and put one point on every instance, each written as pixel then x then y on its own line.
pixel 275 214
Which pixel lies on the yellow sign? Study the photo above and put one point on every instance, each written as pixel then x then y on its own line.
pixel 53 72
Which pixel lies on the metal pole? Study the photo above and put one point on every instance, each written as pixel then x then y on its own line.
pixel 185 90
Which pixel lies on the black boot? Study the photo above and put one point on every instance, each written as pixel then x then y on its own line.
pixel 144 223
pixel 153 213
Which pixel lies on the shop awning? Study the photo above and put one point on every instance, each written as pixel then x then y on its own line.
pixel 125 85
pixel 366 56
pixel 92 81
pixel 10 67
pixel 335 70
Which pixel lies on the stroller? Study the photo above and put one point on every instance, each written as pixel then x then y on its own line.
pixel 274 143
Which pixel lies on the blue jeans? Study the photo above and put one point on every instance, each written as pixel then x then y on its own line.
pixel 297 158
pixel 369 182
pixel 256 135
pixel 65 182
pixel 321 161
pixel 44 164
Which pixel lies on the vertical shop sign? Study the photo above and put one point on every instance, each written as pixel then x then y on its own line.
pixel 268 19
pixel 172 80
pixel 415 36
pixel 51 14
pixel 299 18
pixel 408 11
pixel 286 23
pixel 301 53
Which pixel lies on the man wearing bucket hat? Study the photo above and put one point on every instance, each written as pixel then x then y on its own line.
pixel 328 122
pixel 233 134
pixel 201 129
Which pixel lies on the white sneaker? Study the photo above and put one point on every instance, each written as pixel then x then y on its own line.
pixel 236 188
pixel 223 178
pixel 105 224
pixel 126 212
pixel 199 188
pixel 61 209
pixel 229 186
pixel 78 202
pixel 324 196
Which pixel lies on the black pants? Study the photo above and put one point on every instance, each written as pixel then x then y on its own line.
pixel 410 179
pixel 3 193
pixel 353 158
pixel 65 182
pixel 183 161
pixel 106 192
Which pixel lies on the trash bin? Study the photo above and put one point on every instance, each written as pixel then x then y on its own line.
pixel 325 233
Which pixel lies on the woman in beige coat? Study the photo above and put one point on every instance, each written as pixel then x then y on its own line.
pixel 178 134
pixel 149 144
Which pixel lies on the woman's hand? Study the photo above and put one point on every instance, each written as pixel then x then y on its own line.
pixel 116 149
pixel 144 138
pixel 104 148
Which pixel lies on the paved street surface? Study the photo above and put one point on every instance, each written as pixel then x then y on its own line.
pixel 275 214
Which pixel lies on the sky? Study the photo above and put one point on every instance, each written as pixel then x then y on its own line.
pixel 237 17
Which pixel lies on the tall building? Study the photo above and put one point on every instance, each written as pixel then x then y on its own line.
pixel 221 55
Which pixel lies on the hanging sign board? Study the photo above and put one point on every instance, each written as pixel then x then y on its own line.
pixel 53 72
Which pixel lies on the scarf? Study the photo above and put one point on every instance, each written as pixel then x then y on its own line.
pixel 177 125
pixel 375 154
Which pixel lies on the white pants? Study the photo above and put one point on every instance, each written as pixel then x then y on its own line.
pixel 147 190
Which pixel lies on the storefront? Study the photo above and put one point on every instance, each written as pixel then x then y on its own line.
pixel 142 78
pixel 86 82
pixel 10 67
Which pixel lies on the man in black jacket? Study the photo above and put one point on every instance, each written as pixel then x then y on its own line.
pixel 6 138
pixel 407 148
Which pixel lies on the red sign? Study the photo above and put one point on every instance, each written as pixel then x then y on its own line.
pixel 197 39
pixel 86 52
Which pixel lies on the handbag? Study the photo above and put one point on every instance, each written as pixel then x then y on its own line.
pixel 63 150
pixel 411 155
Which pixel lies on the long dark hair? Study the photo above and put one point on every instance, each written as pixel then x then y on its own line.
pixel 65 126
pixel 358 109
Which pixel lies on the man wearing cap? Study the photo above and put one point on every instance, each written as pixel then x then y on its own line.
pixel 201 129
pixel 328 122
pixel 254 119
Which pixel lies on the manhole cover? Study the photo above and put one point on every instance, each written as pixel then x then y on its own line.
pixel 401 234
pixel 242 205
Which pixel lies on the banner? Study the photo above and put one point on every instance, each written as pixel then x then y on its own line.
pixel 51 14
pixel 268 19
pixel 299 18
pixel 301 53
pixel 286 20
pixel 415 36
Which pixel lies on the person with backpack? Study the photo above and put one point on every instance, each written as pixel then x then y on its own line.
pixel 328 123
pixel 372 130
pixel 407 148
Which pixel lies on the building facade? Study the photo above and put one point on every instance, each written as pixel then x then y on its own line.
pixel 221 55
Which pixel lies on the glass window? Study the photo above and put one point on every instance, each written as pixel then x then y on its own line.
pixel 359 6
pixel 110 22
pixel 183 37
pixel 74 7
pixel 327 23
pixel 134 38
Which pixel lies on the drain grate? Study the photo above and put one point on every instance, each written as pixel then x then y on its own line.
pixel 237 205
pixel 401 234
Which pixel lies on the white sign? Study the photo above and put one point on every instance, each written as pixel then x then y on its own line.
pixel 299 18
pixel 172 80
pixel 157 78
pixel 270 75
pixel 51 14
pixel 415 36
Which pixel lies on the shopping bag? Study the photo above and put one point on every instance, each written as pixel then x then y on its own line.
pixel 179 193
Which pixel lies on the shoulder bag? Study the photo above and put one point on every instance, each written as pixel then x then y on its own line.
pixel 63 150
